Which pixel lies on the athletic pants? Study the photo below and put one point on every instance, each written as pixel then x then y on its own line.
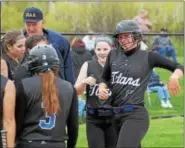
pixel 132 127
pixel 101 134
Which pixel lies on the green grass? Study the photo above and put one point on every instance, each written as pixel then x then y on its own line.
pixel 161 133
pixel 165 133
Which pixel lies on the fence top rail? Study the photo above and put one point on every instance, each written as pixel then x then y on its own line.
pixel 108 33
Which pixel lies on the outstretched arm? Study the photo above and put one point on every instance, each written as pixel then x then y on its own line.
pixel 156 60
pixel 173 83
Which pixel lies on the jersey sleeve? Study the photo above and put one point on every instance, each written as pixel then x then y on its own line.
pixel 106 75
pixel 72 122
pixel 20 109
pixel 157 60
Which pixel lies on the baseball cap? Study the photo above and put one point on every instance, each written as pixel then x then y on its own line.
pixel 32 15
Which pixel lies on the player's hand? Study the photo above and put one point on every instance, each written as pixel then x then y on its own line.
pixel 103 93
pixel 173 85
pixel 90 81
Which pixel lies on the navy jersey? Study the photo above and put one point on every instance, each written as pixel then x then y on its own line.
pixel 32 121
pixel 95 70
pixel 129 74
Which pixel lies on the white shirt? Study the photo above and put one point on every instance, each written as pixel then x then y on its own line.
pixel 89 43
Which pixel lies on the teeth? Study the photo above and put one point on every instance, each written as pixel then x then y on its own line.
pixel 102 56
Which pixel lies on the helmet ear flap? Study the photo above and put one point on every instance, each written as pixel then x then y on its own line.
pixel 137 36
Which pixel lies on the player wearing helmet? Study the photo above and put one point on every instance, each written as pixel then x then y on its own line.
pixel 45 104
pixel 128 69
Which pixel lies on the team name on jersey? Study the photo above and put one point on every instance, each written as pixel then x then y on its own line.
pixel 93 90
pixel 118 78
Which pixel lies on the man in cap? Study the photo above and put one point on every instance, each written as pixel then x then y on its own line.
pixel 34 24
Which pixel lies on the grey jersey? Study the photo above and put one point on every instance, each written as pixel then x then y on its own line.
pixel 37 124
pixel 129 74
pixel 129 78
pixel 95 70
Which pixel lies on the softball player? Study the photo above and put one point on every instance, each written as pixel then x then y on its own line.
pixel 128 69
pixel 46 104
pixel 100 129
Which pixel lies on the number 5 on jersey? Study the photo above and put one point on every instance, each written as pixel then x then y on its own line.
pixel 49 122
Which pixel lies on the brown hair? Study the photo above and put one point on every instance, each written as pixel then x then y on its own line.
pixel 50 94
pixel 11 37
pixel 76 39
pixel 32 41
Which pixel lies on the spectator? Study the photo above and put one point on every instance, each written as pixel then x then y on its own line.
pixel 142 19
pixel 79 55
pixel 22 70
pixel 89 41
pixel 34 24
pixel 163 45
pixel 7 113
pixel 13 50
pixel 155 85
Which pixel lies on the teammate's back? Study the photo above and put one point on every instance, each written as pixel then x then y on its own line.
pixel 38 125
pixel 46 104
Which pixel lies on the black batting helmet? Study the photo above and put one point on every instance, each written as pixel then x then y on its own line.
pixel 42 58
pixel 128 26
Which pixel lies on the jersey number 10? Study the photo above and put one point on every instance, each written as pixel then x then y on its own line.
pixel 49 122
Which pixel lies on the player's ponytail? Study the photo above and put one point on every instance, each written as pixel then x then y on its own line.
pixel 50 94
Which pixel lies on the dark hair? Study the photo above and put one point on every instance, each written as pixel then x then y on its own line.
pixel 164 29
pixel 10 38
pixel 32 41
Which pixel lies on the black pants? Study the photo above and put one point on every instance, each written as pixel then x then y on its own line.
pixel 38 144
pixel 132 127
pixel 101 135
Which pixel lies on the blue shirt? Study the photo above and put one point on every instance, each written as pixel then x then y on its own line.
pixel 62 46
pixel 162 41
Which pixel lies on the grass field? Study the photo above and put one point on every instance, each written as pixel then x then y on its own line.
pixel 164 133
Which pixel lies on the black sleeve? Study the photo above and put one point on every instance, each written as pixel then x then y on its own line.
pixel 72 122
pixel 157 60
pixel 106 75
pixel 20 108
pixel 21 73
